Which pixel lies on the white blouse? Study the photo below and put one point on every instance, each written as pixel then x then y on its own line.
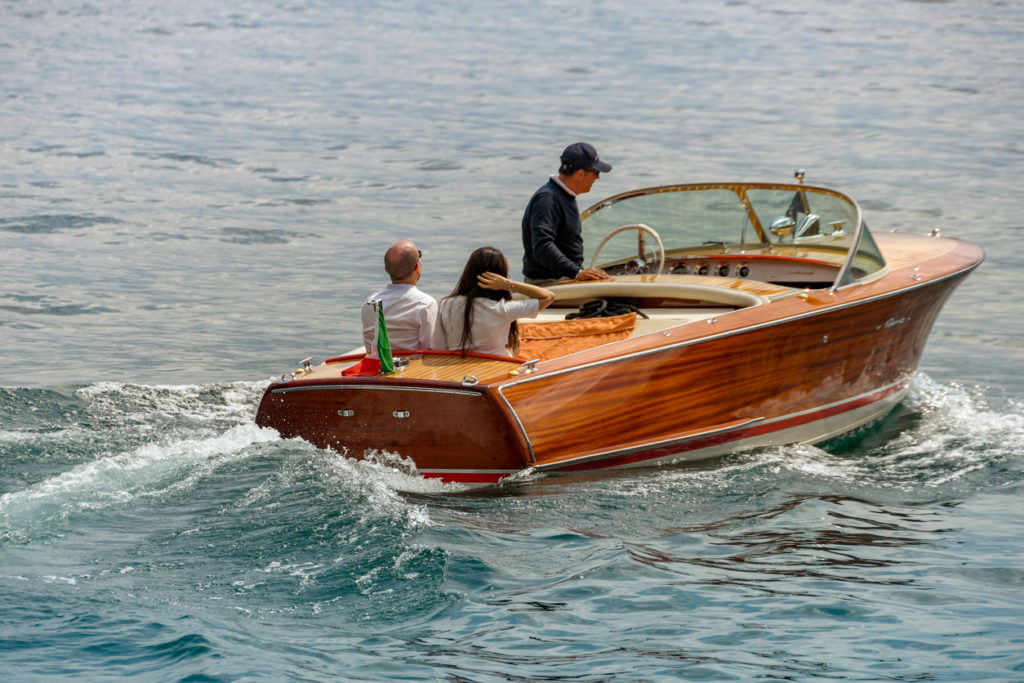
pixel 491 322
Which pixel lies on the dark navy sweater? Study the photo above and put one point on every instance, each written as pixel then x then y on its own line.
pixel 552 239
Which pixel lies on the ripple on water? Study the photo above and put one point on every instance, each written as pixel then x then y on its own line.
pixel 258 236
pixel 51 223
pixel 45 304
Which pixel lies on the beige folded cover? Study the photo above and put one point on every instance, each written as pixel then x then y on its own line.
pixel 546 340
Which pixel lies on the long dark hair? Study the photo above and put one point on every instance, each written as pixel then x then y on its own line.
pixel 483 260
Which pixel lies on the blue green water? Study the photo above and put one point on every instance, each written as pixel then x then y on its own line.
pixel 194 197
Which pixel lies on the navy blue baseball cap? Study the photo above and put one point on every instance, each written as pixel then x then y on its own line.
pixel 580 155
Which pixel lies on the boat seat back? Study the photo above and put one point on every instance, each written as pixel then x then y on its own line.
pixel 576 292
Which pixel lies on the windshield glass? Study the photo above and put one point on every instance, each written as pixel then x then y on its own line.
pixel 783 219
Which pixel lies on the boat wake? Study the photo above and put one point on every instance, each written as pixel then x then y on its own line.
pixel 106 445
pixel 124 486
pixel 945 441
pixel 71 451
pixel 110 447
pixel 151 470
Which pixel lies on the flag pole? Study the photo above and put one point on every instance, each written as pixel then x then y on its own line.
pixel 381 341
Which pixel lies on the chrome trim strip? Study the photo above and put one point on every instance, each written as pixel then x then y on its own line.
pixel 651 444
pixel 375 387
pixel 878 390
pixel 845 277
pixel 443 471
pixel 522 428
pixel 723 430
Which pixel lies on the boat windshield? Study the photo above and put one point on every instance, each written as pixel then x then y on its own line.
pixel 791 220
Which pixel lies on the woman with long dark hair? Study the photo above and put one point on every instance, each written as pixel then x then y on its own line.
pixel 480 314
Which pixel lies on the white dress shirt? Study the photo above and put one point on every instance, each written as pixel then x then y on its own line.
pixel 409 314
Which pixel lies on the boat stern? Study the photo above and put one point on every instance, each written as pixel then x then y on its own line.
pixel 448 430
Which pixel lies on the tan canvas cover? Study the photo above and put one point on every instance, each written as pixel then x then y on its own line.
pixel 546 340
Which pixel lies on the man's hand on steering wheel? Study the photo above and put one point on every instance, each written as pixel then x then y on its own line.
pixel 591 274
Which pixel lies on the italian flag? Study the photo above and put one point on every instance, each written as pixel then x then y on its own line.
pixel 378 361
pixel 381 342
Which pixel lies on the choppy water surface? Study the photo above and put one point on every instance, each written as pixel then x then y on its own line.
pixel 192 198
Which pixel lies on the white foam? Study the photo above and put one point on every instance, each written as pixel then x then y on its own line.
pixel 959 432
pixel 150 469
pixel 400 473
pixel 378 484
pixel 193 402
pixel 19 436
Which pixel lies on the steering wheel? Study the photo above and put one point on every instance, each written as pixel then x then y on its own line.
pixel 640 243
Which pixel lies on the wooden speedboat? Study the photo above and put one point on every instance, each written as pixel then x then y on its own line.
pixel 765 314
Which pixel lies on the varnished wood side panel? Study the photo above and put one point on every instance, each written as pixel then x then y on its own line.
pixel 767 372
pixel 441 430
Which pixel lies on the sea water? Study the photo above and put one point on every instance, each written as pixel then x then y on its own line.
pixel 194 197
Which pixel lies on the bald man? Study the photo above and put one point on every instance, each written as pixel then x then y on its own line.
pixel 409 313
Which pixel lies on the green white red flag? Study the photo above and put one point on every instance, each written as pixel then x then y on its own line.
pixel 381 341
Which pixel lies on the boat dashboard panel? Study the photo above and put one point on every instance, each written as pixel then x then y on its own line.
pixel 788 271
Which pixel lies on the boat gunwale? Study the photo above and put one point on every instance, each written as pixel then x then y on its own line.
pixel 327 383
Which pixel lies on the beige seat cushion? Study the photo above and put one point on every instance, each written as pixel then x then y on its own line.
pixel 546 340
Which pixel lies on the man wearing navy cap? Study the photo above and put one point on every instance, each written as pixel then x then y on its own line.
pixel 552 237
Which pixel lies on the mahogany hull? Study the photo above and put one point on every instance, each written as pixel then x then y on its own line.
pixel 742 382
pixel 457 434
pixel 800 370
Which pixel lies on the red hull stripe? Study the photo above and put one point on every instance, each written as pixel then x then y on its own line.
pixel 467 477
pixel 697 443
pixel 768 427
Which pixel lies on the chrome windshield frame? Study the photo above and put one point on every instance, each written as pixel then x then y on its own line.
pixel 845 274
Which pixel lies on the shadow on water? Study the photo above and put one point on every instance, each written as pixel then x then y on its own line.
pixel 875 435
pixel 828 537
